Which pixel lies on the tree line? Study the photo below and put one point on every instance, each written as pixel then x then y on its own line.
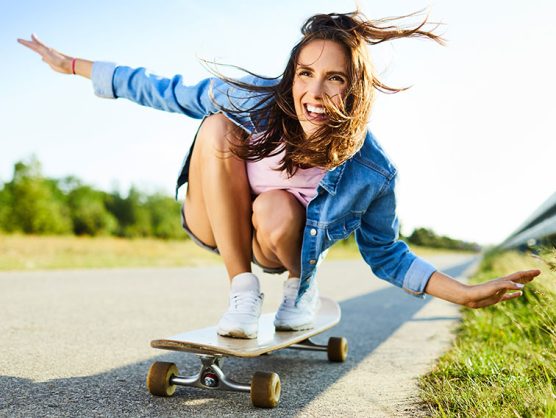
pixel 33 204
pixel 428 238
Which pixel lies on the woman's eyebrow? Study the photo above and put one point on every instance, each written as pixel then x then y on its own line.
pixel 306 67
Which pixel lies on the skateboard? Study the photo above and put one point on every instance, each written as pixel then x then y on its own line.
pixel 211 348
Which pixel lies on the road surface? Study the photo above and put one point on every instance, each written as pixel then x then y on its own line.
pixel 76 343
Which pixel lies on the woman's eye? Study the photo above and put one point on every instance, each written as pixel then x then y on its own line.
pixel 337 78
pixel 303 73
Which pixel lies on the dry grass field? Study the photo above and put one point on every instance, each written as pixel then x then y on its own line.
pixel 24 252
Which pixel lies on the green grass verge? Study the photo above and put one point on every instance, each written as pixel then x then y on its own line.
pixel 503 362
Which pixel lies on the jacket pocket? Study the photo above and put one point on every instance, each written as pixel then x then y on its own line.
pixel 343 228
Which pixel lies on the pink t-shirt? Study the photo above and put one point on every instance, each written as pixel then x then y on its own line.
pixel 263 177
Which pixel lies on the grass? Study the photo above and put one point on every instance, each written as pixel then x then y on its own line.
pixel 503 362
pixel 24 252
pixel 21 252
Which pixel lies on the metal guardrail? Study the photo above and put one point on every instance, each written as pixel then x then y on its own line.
pixel 538 227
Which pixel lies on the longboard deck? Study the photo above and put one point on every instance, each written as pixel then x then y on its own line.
pixel 207 341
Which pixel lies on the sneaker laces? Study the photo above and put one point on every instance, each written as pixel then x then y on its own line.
pixel 291 288
pixel 245 302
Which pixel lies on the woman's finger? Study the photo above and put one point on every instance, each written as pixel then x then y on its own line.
pixel 523 276
pixel 511 295
pixel 495 289
pixel 39 49
pixel 37 40
pixel 28 44
pixel 510 285
pixel 500 296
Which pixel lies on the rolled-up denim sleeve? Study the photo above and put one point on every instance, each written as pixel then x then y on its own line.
pixel 389 258
pixel 101 76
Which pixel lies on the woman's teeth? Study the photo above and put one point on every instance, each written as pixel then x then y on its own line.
pixel 315 109
pixel 316 113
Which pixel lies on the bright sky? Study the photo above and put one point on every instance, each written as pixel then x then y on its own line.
pixel 473 138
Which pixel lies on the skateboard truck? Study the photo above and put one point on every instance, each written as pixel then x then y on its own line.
pixel 210 376
pixel 163 378
pixel 308 344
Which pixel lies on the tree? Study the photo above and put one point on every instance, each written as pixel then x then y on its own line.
pixel 5 208
pixel 428 238
pixel 424 237
pixel 134 219
pixel 89 213
pixel 35 207
pixel 165 217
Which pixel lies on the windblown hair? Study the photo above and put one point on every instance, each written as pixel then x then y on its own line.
pixel 276 122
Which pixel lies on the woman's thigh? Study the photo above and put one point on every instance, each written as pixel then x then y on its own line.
pixel 210 142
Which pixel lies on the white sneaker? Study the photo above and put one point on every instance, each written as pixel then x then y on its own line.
pixel 242 318
pixel 296 318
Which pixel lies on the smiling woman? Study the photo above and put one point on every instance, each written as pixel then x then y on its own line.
pixel 321 173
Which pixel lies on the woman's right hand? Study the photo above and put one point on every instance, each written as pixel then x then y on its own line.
pixel 56 60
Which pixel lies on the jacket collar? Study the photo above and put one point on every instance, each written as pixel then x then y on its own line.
pixel 332 178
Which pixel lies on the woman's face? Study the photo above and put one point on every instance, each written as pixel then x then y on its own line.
pixel 321 70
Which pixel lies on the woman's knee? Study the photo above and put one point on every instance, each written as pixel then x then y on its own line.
pixel 278 216
pixel 216 133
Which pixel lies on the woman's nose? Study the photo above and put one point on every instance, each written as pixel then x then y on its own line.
pixel 316 89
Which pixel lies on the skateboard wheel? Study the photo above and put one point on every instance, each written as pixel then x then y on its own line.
pixel 158 378
pixel 265 389
pixel 337 349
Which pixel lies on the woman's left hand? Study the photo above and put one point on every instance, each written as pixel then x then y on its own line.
pixel 59 62
pixel 498 290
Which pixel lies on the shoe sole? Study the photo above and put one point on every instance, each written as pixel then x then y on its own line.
pixel 236 334
pixel 301 327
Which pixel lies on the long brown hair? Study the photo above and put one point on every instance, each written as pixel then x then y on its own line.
pixel 276 122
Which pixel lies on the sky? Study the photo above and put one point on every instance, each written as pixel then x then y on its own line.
pixel 472 138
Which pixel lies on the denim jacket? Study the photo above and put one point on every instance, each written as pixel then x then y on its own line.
pixel 357 196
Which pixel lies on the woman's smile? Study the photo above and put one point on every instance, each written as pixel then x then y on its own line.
pixel 315 113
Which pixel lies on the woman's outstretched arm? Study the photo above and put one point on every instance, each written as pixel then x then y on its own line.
pixel 209 96
pixel 480 295
pixel 391 260
pixel 59 62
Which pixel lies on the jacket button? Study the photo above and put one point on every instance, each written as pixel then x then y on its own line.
pixel 313 232
pixel 312 261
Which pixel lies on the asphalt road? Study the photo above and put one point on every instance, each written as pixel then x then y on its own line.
pixel 76 343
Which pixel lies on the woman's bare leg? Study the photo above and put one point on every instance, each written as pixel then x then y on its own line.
pixel 218 203
pixel 278 219
pixel 219 211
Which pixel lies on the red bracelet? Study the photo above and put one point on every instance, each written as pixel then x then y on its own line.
pixel 73 65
